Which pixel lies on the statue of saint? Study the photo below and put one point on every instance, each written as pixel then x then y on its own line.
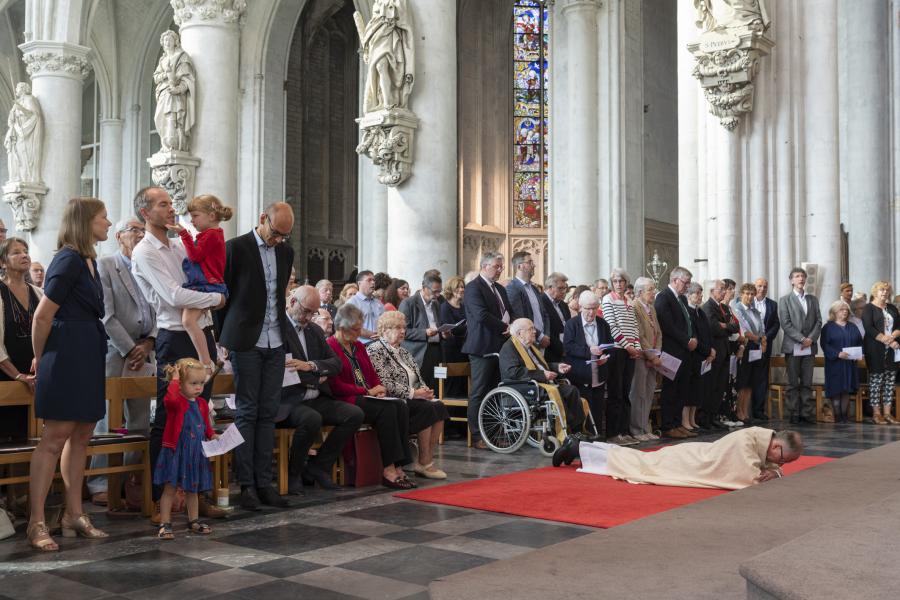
pixel 24 139
pixel 387 44
pixel 730 14
pixel 174 78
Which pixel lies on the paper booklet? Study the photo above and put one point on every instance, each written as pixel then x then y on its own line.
pixel 231 438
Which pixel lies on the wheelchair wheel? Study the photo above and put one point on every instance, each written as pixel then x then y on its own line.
pixel 550 445
pixel 504 419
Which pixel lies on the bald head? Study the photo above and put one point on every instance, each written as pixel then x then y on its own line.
pixel 275 223
pixel 303 303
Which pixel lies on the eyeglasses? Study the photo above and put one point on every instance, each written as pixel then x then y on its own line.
pixel 306 312
pixel 138 230
pixel 275 233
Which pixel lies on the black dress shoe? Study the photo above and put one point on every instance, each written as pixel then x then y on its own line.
pixel 295 486
pixel 716 424
pixel 249 499
pixel 314 474
pixel 567 452
pixel 399 484
pixel 269 496
pixel 762 418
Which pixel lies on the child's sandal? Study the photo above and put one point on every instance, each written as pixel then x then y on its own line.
pixel 195 526
pixel 165 532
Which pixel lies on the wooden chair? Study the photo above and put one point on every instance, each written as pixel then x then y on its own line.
pixel 458 369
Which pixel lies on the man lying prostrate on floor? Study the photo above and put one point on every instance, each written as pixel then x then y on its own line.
pixel 739 459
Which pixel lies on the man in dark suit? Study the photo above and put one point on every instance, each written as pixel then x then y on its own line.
pixel 557 311
pixel 308 405
pixel 423 313
pixel 703 354
pixel 326 295
pixel 801 322
pixel 257 268
pixel 524 297
pixel 679 340
pixel 720 329
pixel 488 315
pixel 768 310
pixel 583 336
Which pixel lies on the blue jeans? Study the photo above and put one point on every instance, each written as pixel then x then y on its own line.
pixel 258 374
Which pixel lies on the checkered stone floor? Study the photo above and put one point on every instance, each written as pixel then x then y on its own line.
pixel 350 544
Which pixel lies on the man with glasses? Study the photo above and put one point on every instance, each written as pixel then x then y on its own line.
pixel 735 461
pixel 423 319
pixel 130 323
pixel 308 404
pixel 257 269
pixel 558 314
pixel 679 340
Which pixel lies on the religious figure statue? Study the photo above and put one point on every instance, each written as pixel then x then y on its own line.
pixel 174 78
pixel 387 45
pixel 24 139
pixel 730 14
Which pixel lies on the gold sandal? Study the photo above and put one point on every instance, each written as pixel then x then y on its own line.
pixel 81 526
pixel 39 537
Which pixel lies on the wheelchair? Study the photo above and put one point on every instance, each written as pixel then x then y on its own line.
pixel 516 413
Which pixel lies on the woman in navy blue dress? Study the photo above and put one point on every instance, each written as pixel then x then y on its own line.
pixel 69 349
pixel 841 372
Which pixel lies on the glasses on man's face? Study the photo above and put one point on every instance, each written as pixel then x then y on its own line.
pixel 137 230
pixel 306 312
pixel 590 308
pixel 274 233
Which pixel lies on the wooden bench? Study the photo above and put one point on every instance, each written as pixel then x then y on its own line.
pixel 457 369
pixel 778 391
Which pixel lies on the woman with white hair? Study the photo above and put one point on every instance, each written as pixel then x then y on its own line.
pixel 841 374
pixel 619 313
pixel 643 385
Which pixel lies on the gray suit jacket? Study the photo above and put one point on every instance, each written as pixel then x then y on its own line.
pixel 122 316
pixel 416 342
pixel 797 325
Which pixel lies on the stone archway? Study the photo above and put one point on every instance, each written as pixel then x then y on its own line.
pixel 321 94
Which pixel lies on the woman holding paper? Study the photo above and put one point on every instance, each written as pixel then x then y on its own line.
pixel 882 324
pixel 644 383
pixel 750 366
pixel 842 346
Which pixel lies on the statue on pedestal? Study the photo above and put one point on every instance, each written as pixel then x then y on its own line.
pixel 729 14
pixel 387 49
pixel 175 79
pixel 24 139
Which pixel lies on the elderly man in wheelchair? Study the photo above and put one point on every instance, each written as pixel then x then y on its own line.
pixel 532 403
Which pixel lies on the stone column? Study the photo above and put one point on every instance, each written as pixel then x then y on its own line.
pixel 820 122
pixel 117 204
pixel 691 228
pixel 210 33
pixel 728 201
pixel 865 151
pixel 422 211
pixel 57 71
pixel 576 191
pixel 372 236
pixel 784 63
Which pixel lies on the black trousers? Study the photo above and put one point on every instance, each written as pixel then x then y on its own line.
pixel 170 347
pixel 485 377
pixel 596 399
pixel 572 403
pixel 714 390
pixel 390 418
pixel 761 389
pixel 429 362
pixel 671 399
pixel 307 417
pixel 620 372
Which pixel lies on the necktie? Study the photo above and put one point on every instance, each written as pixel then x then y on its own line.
pixel 682 302
pixel 301 333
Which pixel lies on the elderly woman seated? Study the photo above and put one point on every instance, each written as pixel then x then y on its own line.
pixel 399 374
pixel 358 384
pixel 521 360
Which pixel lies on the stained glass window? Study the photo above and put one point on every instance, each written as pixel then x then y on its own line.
pixel 531 84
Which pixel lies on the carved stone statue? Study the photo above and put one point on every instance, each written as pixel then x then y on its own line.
pixel 175 82
pixel 730 14
pixel 24 139
pixel 387 45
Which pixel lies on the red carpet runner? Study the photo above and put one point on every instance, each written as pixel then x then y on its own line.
pixel 562 494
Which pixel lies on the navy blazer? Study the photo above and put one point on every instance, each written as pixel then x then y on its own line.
pixel 521 305
pixel 555 352
pixel 673 324
pixel 702 333
pixel 486 331
pixel 319 352
pixel 771 324
pixel 719 335
pixel 578 351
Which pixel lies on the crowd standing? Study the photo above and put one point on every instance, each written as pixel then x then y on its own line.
pixel 176 304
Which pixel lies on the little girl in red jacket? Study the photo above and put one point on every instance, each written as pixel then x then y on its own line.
pixel 181 462
pixel 205 264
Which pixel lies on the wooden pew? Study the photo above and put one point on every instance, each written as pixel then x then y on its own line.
pixel 458 369
pixel 777 391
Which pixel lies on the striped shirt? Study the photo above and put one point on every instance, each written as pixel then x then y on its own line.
pixel 619 313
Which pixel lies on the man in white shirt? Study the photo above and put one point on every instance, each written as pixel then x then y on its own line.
pixel 768 310
pixel 156 266
pixel 371 307
pixel 801 323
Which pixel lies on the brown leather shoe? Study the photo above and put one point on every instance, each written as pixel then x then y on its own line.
pixel 687 433
pixel 479 445
pixel 674 433
pixel 208 510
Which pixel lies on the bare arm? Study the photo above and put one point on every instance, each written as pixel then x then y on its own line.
pixel 40 326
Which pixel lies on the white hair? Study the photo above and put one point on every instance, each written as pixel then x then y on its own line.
pixel 588 297
pixel 642 284
pixel 619 272
pixel 519 325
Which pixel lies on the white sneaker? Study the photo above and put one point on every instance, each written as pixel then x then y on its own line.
pixel 737 424
pixel 651 436
pixel 630 441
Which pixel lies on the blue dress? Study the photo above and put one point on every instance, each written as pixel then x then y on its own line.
pixel 841 376
pixel 71 383
pixel 186 466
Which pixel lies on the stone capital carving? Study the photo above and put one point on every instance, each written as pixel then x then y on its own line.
pixel 175 172
pixel 25 201
pixel 222 12
pixel 727 53
pixel 567 6
pixel 56 59
pixel 386 136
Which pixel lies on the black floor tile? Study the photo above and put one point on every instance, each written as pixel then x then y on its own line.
pixel 413 536
pixel 290 539
pixel 408 514
pixel 527 533
pixel 287 590
pixel 417 564
pixel 137 571
pixel 283 567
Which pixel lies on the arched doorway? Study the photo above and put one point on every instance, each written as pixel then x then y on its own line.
pixel 321 98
